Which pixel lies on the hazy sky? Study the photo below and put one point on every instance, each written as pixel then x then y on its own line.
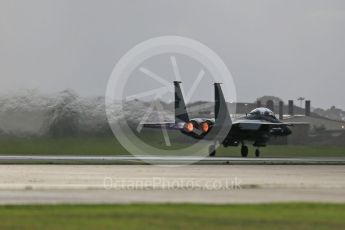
pixel 287 48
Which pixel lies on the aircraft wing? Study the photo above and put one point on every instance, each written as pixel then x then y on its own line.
pixel 296 123
pixel 255 124
pixel 162 125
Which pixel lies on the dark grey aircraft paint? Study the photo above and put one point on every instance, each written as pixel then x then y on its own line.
pixel 258 126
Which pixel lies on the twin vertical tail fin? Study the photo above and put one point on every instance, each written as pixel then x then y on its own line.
pixel 221 112
pixel 181 114
pixel 222 115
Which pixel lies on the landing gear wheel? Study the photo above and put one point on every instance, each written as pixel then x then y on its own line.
pixel 212 150
pixel 244 151
pixel 257 152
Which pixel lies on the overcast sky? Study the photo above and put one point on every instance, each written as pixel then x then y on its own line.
pixel 285 48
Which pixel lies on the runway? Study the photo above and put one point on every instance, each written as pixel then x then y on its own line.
pixel 187 179
pixel 220 184
pixel 166 160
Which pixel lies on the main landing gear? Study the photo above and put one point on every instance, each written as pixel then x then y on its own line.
pixel 244 151
pixel 212 150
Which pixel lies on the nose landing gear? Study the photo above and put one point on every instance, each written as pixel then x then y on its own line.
pixel 257 152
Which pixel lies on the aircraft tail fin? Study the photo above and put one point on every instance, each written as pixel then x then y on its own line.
pixel 221 112
pixel 181 113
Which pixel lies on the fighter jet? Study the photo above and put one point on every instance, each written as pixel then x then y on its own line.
pixel 256 127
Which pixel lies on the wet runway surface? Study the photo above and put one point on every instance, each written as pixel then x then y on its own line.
pixel 129 159
pixel 32 184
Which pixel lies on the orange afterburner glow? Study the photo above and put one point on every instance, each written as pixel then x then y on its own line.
pixel 204 127
pixel 188 127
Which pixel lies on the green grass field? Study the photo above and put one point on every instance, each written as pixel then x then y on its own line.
pixel 109 146
pixel 174 216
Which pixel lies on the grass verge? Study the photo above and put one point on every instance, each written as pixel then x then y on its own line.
pixel 174 216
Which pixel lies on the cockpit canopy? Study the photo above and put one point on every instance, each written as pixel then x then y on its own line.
pixel 262 111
